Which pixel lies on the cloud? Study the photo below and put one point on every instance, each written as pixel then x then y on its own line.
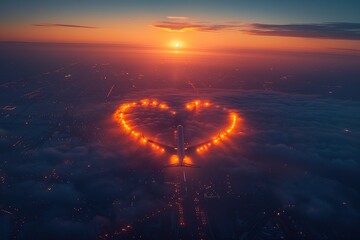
pixel 63 25
pixel 291 145
pixel 177 17
pixel 181 26
pixel 176 26
pixel 337 30
pixel 287 144
pixel 349 31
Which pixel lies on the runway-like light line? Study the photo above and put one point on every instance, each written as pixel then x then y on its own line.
pixel 110 91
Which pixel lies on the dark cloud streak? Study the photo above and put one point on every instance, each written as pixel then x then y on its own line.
pixel 336 30
pixel 348 31
pixel 63 25
pixel 186 26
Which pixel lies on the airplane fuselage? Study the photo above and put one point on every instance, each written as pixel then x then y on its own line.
pixel 180 147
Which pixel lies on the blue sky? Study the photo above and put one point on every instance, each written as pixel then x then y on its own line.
pixel 236 22
pixel 256 11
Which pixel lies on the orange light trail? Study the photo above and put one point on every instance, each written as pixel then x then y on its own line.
pixel 119 117
pixel 196 104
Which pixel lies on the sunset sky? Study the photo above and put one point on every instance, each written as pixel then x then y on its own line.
pixel 314 25
pixel 187 119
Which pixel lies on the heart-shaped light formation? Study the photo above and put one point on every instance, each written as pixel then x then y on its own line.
pixel 119 117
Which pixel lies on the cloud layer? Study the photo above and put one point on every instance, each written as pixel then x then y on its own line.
pixel 336 30
pixel 93 177
pixel 349 31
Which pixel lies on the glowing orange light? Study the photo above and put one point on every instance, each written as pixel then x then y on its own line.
pixel 145 102
pixel 188 160
pixel 174 159
pixel 197 104
pixel 120 113
pixel 224 133
pixel 119 116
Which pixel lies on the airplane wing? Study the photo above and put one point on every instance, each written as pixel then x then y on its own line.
pixel 193 148
pixel 165 147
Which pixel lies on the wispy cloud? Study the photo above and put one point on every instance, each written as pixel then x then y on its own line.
pixel 350 31
pixel 182 26
pixel 62 25
pixel 177 17
pixel 337 30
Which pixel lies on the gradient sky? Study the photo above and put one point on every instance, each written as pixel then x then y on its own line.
pixel 223 24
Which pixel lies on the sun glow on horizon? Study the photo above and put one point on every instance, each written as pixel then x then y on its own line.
pixel 176 44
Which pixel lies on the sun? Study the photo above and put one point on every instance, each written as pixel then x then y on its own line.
pixel 176 44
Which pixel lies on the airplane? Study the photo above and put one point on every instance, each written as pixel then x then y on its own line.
pixel 180 149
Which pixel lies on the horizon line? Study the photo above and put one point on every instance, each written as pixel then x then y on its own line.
pixel 215 50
